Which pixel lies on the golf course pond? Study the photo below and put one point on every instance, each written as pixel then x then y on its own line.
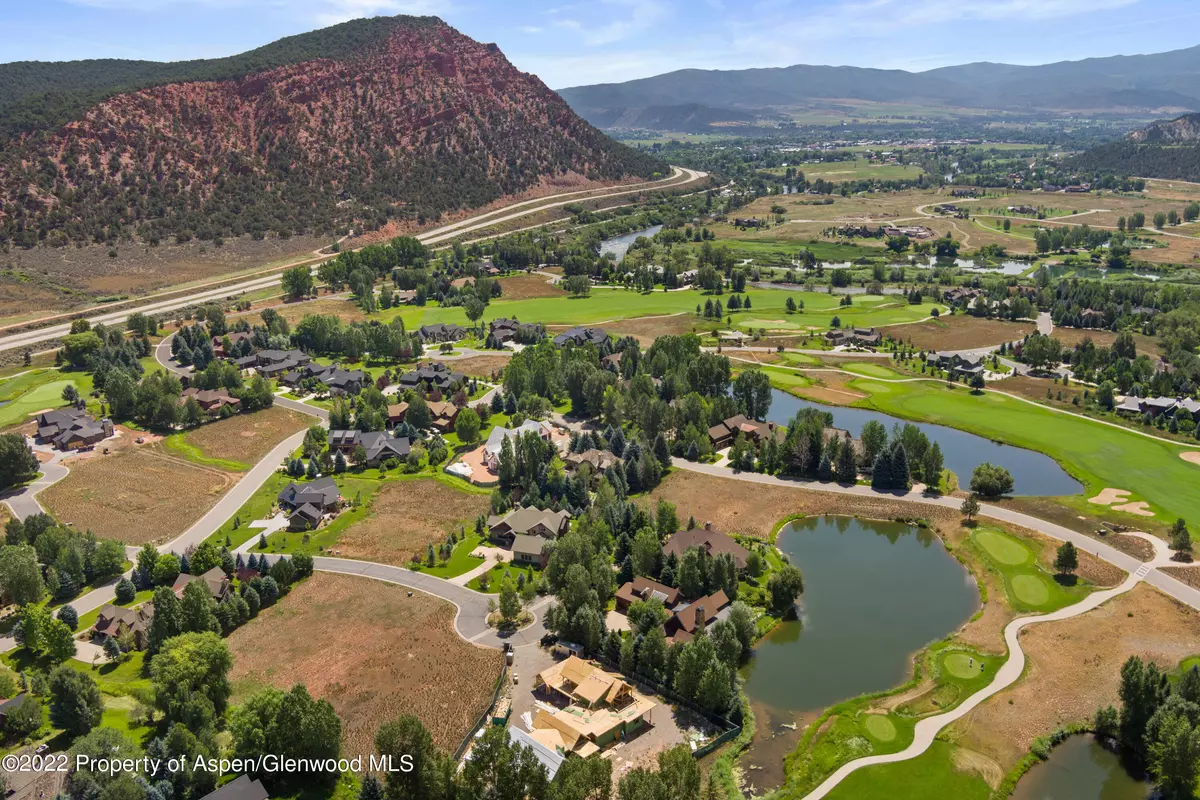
pixel 1081 768
pixel 1033 473
pixel 874 594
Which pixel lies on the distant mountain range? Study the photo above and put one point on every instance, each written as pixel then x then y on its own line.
pixel 1161 83
pixel 349 126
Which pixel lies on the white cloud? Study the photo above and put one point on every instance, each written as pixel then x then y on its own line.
pixel 530 29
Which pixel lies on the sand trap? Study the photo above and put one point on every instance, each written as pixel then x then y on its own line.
pixel 1110 496
pixel 1140 509
pixel 1191 456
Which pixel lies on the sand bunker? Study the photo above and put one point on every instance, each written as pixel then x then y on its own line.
pixel 1110 496
pixel 1140 509
pixel 1191 456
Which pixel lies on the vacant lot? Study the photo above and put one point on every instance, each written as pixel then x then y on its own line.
pixel 647 329
pixel 960 332
pixel 1073 336
pixel 479 366
pixel 523 287
pixel 374 653
pixel 135 496
pixel 245 438
pixel 1074 668
pixel 341 307
pixel 406 516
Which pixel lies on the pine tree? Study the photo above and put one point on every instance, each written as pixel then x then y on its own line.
pixel 881 475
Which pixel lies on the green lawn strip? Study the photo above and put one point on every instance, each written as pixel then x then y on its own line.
pixel 932 774
pixel 1098 455
pixel 1028 585
pixel 496 574
pixel 460 560
pixel 89 619
pixel 870 370
pixel 800 359
pixel 237 528
pixel 785 379
pixel 178 444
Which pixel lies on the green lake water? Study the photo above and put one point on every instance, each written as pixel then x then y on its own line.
pixel 874 594
pixel 1081 769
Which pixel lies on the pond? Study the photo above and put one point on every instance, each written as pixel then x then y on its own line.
pixel 874 594
pixel 1081 768
pixel 619 245
pixel 1033 473
pixel 1096 273
pixel 1003 268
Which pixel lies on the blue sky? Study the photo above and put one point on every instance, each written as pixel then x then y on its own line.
pixel 594 41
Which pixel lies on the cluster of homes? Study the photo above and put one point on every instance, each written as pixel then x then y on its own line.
pixel 863 337
pixel 293 367
pixel 115 622
pixel 71 428
pixel 1158 406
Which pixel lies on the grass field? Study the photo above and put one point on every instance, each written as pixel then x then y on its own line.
pixel 932 774
pixel 859 169
pixel 36 390
pixel 1029 587
pixel 496 575
pixel 373 652
pixel 237 443
pixel 1100 456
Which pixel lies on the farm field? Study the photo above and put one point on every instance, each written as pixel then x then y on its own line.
pixel 1099 455
pixel 135 496
pixel 373 652
pixel 240 441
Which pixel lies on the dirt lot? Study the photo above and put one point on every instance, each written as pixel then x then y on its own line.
pixel 405 517
pixel 479 366
pixel 647 329
pixel 135 496
pixel 1074 668
pixel 373 652
pixel 959 332
pixel 340 307
pixel 525 287
pixel 248 437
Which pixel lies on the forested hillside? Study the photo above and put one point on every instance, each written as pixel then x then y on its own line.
pixel 350 126
pixel 1169 149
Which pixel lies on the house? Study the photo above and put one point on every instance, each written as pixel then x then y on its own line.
pixel 529 522
pixel 395 413
pixel 600 708
pixel 580 336
pixel 959 362
pixel 215 579
pixel 441 332
pixel 489 268
pixel 600 460
pixel 211 400
pixel 339 381
pixel 403 297
pixel 244 788
pixel 868 337
pixel 687 277
pixel 273 363
pixel 433 376
pixel 528 549
pixel 381 447
pixel 723 433
pixel 911 231
pixel 710 540
pixel 71 428
pixel 612 361
pixel 960 294
pixel 646 589
pixel 443 415
pixel 115 621
pixel 742 222
pixel 504 330
pixel 321 492
pixel 495 440
pixel 1157 406
pixel 12 704
pixel 687 620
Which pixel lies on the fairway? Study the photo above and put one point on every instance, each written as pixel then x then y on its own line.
pixel 1031 589
pixel 880 727
pixel 962 665
pixel 1002 548
pixel 48 395
pixel 930 775
pixel 1099 455
pixel 871 370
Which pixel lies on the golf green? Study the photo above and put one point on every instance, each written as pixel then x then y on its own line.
pixel 962 665
pixel 1031 589
pixel 880 727
pixel 48 395
pixel 1003 549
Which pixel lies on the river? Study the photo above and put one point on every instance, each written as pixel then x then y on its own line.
pixel 1033 473
pixel 1081 769
pixel 619 245
pixel 874 594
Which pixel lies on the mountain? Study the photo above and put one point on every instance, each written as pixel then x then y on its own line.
pixel 1166 149
pixel 371 120
pixel 1122 84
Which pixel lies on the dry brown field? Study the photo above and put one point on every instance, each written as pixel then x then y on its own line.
pixel 525 287
pixel 479 366
pixel 341 307
pixel 647 329
pixel 373 652
pixel 959 332
pixel 406 516
pixel 136 495
pixel 247 437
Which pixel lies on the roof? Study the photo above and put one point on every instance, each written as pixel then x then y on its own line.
pixel 216 580
pixel 528 545
pixel 496 438
pixel 522 519
pixel 581 335
pixel 708 539
pixel 321 490
pixel 645 589
pixel 244 788
pixel 13 703
pixel 547 755
pixel 685 618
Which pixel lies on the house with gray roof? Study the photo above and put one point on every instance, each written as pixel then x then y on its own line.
pixel 528 521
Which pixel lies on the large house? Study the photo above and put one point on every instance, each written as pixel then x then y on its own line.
pixel 336 379
pixel 867 337
pixel 723 433
pixel 646 589
pixel 495 440
pixel 527 549
pixel 215 579
pixel 708 539
pixel 211 400
pixel 443 416
pixel 115 621
pixel 433 376
pixel 503 330
pixel 273 363
pixel 441 332
pixel 580 336
pixel 71 428
pixel 529 522
pixel 600 708
pixel 379 446
pixel 307 503
pixel 1156 406
pixel 695 616
pixel 600 460
pixel 957 362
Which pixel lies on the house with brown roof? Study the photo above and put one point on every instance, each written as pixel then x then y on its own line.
pixel 395 413
pixel 696 616
pixel 708 539
pixel 599 460
pixel 646 589
pixel 215 579
pixel 724 433
pixel 529 521
pixel 444 416
pixel 115 621
pixel 600 708
pixel 211 400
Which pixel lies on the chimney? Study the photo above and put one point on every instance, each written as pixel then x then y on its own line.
pixel 708 526
pixel 700 617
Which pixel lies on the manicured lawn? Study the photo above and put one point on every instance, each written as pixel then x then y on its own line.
pixel 30 393
pixel 1099 455
pixel 460 560
pixel 1029 587
pixel 496 574
pixel 871 370
pixel 850 733
pixel 929 775
pixel 786 379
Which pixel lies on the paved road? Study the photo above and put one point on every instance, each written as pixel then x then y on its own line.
pixel 443 233
pixel 23 501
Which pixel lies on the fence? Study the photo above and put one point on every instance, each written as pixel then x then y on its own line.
pixel 485 717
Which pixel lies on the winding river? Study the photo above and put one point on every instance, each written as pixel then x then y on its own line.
pixel 1033 473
